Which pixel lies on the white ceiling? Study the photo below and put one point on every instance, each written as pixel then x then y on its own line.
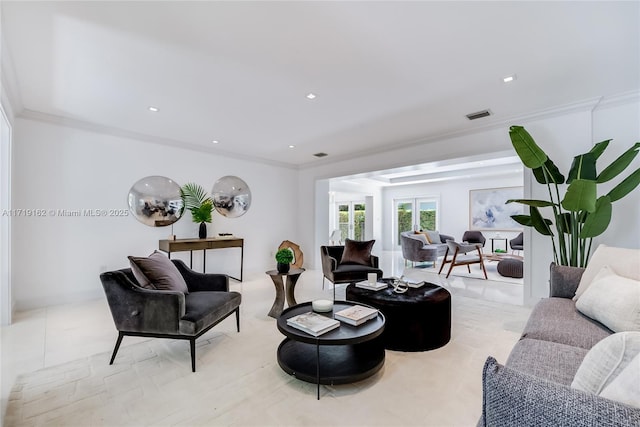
pixel 385 73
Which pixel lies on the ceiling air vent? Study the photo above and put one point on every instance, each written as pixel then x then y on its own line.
pixel 479 115
pixel 319 155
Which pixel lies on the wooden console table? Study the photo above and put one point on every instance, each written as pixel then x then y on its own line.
pixel 182 245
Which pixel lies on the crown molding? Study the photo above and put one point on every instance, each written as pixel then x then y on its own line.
pixel 9 89
pixel 121 133
pixel 580 106
pixel 620 99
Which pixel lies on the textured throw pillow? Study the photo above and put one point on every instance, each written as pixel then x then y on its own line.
pixel 613 301
pixel 422 237
pixel 425 235
pixel 160 272
pixel 434 236
pixel 606 361
pixel 357 252
pixel 625 262
pixel 625 387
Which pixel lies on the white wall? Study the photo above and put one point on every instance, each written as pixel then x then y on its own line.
pixel 453 196
pixel 620 122
pixel 58 259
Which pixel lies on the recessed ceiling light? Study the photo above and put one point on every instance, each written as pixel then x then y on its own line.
pixel 292 146
pixel 311 96
pixel 215 141
pixel 153 109
pixel 509 79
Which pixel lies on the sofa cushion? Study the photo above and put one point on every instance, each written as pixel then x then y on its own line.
pixel 160 271
pixel 546 359
pixel 606 360
pixel 624 388
pixel 434 236
pixel 612 300
pixel 513 398
pixel 423 237
pixel 205 308
pixel 622 260
pixel 353 272
pixel 557 320
pixel 357 252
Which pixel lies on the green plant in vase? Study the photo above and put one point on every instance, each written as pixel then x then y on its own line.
pixel 579 215
pixel 199 203
pixel 284 257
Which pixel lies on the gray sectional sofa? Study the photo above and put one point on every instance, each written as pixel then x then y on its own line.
pixel 416 248
pixel 533 387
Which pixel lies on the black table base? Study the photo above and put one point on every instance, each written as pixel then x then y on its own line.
pixel 338 364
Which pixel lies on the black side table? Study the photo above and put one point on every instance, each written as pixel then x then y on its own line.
pixel 292 279
pixel 343 355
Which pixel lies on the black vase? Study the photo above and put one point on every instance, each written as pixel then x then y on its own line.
pixel 202 232
pixel 283 268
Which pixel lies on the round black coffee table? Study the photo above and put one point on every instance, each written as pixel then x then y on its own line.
pixel 417 320
pixel 343 355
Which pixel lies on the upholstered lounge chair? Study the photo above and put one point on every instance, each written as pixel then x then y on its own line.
pixel 337 272
pixel 416 248
pixel 141 312
pixel 517 243
pixel 473 236
pixel 461 256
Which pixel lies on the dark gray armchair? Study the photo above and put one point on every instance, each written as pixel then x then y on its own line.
pixel 338 273
pixel 472 236
pixel 517 243
pixel 169 314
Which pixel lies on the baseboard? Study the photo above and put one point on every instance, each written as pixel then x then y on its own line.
pixel 69 298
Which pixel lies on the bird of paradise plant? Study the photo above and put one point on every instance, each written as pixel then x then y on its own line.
pixel 580 215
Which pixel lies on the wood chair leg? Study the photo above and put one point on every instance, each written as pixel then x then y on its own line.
pixel 115 350
pixel 192 344
pixel 238 318
pixel 444 261
pixel 484 270
pixel 453 262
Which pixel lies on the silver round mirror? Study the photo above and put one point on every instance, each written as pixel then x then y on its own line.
pixel 231 196
pixel 155 201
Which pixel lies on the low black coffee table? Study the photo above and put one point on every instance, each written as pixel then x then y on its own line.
pixel 344 355
pixel 417 320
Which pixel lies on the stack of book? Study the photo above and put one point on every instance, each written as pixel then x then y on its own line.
pixel 414 284
pixel 313 323
pixel 371 286
pixel 356 315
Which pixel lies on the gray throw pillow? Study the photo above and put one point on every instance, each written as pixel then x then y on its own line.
pixel 357 252
pixel 160 272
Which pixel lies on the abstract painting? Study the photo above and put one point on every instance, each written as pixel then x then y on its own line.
pixel 488 211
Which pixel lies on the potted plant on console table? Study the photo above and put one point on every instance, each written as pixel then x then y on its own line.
pixel 196 199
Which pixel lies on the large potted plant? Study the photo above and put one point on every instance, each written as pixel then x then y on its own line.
pixel 580 214
pixel 199 203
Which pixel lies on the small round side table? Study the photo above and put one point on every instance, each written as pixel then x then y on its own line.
pixel 277 278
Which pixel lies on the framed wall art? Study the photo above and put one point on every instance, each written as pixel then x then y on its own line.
pixel 488 209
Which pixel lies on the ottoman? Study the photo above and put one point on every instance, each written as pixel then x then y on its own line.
pixel 417 320
pixel 510 267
